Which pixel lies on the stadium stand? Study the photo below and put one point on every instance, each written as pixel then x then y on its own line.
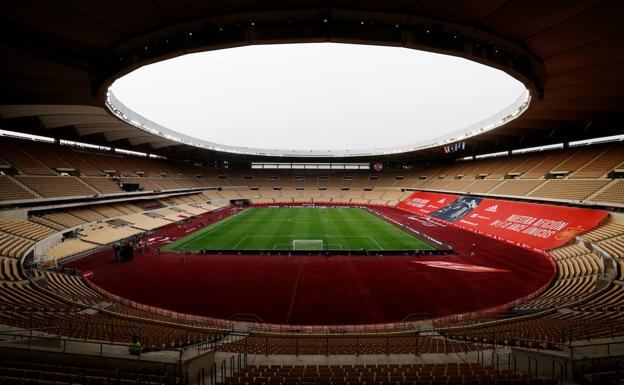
pixel 67 248
pixel 376 374
pixel 21 160
pixel 56 186
pixel 11 190
pixel 25 229
pixel 59 304
pixel 587 173
pixel 104 234
pixel 104 185
pixel 14 247
pixel 62 202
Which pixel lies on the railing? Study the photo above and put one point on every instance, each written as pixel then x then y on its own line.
pixel 354 344
pixel 219 371
pixel 31 341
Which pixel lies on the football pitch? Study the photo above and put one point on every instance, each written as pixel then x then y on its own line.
pixel 331 229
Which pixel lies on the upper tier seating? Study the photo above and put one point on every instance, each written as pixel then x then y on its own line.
pixel 516 187
pixel 104 185
pixel 56 186
pixel 602 164
pixel 583 174
pixel 568 189
pixel 22 160
pixel 11 190
pixel 614 193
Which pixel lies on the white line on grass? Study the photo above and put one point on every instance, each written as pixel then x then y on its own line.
pixel 239 242
pixel 213 227
pixel 373 239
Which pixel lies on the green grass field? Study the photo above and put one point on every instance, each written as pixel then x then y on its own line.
pixel 276 228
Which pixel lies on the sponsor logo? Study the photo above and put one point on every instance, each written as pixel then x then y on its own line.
pixel 492 209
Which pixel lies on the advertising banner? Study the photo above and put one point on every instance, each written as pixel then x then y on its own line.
pixel 457 209
pixel 531 225
pixel 542 227
pixel 421 202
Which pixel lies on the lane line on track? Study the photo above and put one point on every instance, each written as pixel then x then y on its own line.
pixel 294 293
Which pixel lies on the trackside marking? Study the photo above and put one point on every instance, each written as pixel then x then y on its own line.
pixel 462 267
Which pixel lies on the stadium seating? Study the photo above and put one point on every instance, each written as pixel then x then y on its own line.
pixel 16 372
pixel 68 247
pixel 56 186
pixel 13 246
pixel 568 189
pixel 614 192
pixel 62 219
pixel 452 373
pixel 10 190
pixel 332 345
pixel 586 173
pixel 25 229
pixel 103 185
pixel 9 270
pixel 585 303
pixel 22 160
pixel 59 302
pixel 585 309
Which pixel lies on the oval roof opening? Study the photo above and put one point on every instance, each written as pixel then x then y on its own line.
pixel 319 98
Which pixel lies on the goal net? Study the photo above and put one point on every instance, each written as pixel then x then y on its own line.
pixel 307 244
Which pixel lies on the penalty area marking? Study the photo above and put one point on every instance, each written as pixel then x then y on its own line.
pixel 308 235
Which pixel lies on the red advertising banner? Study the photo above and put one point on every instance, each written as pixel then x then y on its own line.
pixel 542 227
pixel 421 202
pixel 531 225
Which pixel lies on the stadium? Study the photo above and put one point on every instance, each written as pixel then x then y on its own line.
pixel 326 226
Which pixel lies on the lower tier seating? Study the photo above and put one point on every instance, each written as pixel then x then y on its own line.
pixel 395 374
pixel 22 373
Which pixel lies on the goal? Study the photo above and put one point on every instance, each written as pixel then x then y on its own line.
pixel 307 244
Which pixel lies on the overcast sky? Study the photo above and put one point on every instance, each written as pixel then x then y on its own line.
pixel 316 96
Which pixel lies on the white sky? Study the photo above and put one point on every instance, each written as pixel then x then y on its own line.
pixel 316 96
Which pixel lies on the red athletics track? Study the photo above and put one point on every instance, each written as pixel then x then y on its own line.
pixel 318 290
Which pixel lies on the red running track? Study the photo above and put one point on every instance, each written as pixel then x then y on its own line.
pixel 318 290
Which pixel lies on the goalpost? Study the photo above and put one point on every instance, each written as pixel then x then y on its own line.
pixel 307 244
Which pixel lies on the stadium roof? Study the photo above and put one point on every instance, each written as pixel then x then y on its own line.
pixel 60 58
